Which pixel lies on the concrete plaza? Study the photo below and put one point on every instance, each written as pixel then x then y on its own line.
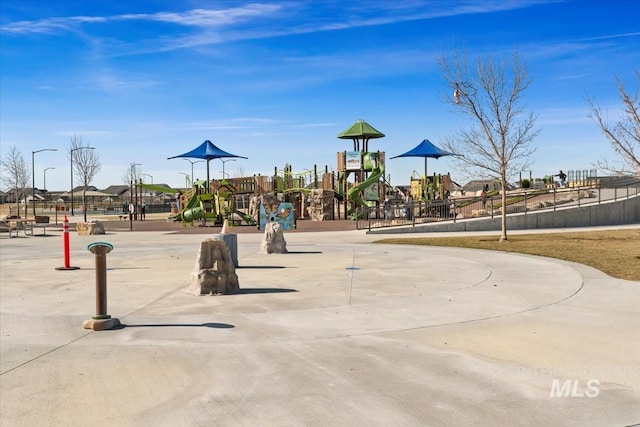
pixel 338 332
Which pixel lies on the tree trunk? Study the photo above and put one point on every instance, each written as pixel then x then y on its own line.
pixel 503 213
pixel 84 203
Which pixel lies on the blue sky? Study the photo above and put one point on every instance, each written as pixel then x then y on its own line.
pixel 276 81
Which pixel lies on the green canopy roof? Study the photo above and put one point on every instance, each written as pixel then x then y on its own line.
pixel 360 130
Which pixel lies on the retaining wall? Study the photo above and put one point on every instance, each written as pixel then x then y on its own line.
pixel 621 212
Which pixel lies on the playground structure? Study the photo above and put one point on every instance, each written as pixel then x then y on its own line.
pixel 369 185
pixel 367 169
pixel 358 182
pixel 434 187
pixel 256 200
pixel 214 202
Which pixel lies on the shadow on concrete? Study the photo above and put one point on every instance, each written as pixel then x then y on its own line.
pixel 304 252
pixel 260 266
pixel 213 325
pixel 263 291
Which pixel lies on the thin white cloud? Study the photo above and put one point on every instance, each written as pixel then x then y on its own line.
pixel 608 36
pixel 192 18
pixel 84 133
pixel 50 25
pixel 370 14
pixel 206 17
pixel 276 20
pixel 110 84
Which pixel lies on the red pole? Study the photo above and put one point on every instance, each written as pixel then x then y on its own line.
pixel 65 240
pixel 65 237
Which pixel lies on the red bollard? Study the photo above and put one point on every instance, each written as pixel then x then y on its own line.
pixel 65 240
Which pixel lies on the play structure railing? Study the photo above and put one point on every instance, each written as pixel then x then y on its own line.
pixel 282 181
pixel 518 202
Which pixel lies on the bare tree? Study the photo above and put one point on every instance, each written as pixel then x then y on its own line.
pixel 133 174
pixel 15 175
pixel 624 134
pixel 86 164
pixel 240 172
pixel 497 142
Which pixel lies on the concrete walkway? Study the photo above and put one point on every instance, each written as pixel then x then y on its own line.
pixel 339 332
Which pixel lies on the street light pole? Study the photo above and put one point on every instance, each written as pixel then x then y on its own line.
pixel 44 179
pixel 133 181
pixel 71 158
pixel 146 174
pixel 44 182
pixel 223 162
pixel 192 163
pixel 33 180
pixel 186 179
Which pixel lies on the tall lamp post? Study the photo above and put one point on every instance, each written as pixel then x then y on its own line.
pixel 146 174
pixel 44 181
pixel 44 178
pixel 133 182
pixel 71 158
pixel 33 179
pixel 223 162
pixel 186 179
pixel 192 163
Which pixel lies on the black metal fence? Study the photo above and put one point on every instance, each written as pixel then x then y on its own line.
pixel 520 201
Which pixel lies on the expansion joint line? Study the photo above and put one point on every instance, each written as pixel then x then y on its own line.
pixel 353 268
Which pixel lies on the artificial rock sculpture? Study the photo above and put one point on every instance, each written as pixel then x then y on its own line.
pixel 90 228
pixel 273 241
pixel 320 204
pixel 215 272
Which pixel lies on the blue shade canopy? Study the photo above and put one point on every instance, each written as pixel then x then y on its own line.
pixel 207 151
pixel 425 149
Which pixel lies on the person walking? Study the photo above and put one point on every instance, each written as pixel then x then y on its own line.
pixel 562 177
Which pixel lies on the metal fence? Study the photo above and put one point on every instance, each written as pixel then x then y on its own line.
pixel 520 201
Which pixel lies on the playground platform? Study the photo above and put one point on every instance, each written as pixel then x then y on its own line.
pixel 339 331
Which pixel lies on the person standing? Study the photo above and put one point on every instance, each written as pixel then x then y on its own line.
pixel 143 211
pixel 483 196
pixel 387 207
pixel 408 202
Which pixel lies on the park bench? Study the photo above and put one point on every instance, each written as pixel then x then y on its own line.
pixel 17 225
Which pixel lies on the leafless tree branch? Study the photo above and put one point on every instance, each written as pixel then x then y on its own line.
pixel 86 164
pixel 15 175
pixel 497 142
pixel 624 134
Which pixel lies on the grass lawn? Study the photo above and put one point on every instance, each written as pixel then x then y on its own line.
pixel 615 252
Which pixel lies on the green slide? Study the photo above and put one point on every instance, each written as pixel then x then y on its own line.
pixel 355 193
pixel 193 210
pixel 246 217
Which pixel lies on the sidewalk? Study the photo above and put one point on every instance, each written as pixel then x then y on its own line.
pixel 337 332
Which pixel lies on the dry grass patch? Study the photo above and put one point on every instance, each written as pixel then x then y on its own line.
pixel 615 252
